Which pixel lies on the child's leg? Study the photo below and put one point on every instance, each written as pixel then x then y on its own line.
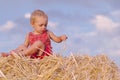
pixel 20 48
pixel 34 48
pixel 41 50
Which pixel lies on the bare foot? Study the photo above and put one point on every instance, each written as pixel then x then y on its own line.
pixel 3 54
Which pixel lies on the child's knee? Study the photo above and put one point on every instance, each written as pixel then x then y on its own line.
pixel 39 44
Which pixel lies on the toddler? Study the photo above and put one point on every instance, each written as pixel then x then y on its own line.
pixel 37 43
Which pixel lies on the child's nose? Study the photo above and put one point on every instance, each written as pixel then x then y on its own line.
pixel 44 27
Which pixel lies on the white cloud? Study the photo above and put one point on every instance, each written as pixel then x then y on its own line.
pixel 104 24
pixel 8 26
pixel 52 24
pixel 89 34
pixel 116 13
pixel 114 53
pixel 27 15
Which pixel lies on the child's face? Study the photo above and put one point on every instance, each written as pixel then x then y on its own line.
pixel 40 24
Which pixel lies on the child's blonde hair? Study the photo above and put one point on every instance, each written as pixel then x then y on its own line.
pixel 37 13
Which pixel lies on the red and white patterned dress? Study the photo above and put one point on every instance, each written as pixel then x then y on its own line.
pixel 45 39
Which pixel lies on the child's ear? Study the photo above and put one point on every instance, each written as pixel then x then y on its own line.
pixel 32 24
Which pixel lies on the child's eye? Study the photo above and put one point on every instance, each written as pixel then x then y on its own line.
pixel 40 25
pixel 45 25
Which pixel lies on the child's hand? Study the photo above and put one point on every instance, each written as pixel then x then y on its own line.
pixel 63 37
pixel 14 54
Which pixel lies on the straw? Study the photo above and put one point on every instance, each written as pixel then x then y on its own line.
pixel 57 67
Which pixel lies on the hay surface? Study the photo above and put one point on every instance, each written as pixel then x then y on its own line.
pixel 59 68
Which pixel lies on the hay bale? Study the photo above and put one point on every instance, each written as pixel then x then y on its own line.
pixel 54 67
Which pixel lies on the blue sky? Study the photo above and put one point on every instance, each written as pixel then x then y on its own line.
pixel 92 26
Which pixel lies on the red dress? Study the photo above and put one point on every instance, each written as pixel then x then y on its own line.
pixel 45 39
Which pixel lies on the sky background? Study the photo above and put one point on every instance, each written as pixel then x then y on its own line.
pixel 92 26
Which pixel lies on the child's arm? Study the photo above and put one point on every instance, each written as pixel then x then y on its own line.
pixel 26 42
pixel 57 39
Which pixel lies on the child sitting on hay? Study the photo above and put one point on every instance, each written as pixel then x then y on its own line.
pixel 37 43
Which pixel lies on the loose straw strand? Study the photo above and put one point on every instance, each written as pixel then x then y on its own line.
pixel 2 75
